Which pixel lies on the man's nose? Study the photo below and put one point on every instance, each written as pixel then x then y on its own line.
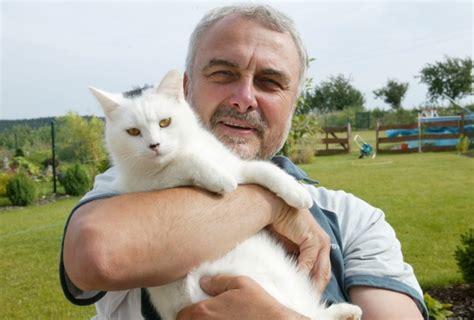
pixel 243 96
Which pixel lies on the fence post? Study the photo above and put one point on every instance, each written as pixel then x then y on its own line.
pixel 419 133
pixel 53 147
pixel 461 126
pixel 349 132
pixel 377 128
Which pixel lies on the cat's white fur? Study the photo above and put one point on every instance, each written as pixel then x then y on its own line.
pixel 185 154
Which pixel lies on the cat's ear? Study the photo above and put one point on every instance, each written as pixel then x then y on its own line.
pixel 172 85
pixel 108 101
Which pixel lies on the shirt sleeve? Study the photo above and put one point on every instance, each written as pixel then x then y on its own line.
pixel 103 188
pixel 371 251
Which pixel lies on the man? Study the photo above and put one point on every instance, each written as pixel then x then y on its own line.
pixel 244 68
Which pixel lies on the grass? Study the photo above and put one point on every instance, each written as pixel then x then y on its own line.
pixel 30 240
pixel 428 198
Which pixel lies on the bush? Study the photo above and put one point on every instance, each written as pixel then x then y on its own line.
pixel 21 164
pixel 463 144
pixel 465 256
pixel 21 190
pixel 19 152
pixel 76 181
pixel 103 165
pixel 4 178
pixel 300 145
pixel 436 309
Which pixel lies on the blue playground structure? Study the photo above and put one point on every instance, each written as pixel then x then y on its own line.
pixel 431 134
pixel 437 133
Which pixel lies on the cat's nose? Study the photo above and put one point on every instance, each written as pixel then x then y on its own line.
pixel 154 147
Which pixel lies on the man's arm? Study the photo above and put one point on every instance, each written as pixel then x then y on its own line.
pixel 384 304
pixel 149 239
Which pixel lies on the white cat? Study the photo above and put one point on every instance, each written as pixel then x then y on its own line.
pixel 156 141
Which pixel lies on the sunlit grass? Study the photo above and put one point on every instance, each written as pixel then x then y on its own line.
pixel 428 198
pixel 30 240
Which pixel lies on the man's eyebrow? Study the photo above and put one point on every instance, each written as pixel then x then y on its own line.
pixel 276 73
pixel 220 62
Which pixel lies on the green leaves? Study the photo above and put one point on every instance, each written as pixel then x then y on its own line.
pixel 452 77
pixel 80 139
pixel 464 255
pixel 436 309
pixel 335 94
pixel 393 93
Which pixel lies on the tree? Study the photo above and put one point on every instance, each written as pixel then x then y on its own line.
pixel 80 139
pixel 303 105
pixel 452 77
pixel 393 93
pixel 336 94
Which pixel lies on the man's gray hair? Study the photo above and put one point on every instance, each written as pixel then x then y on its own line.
pixel 266 15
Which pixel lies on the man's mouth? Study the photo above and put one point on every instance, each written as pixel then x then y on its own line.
pixel 237 125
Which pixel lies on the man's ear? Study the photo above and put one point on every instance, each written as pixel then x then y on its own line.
pixel 185 85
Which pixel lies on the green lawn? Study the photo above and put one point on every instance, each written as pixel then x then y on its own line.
pixel 30 240
pixel 428 198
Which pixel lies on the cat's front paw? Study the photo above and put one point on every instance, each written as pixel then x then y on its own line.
pixel 345 311
pixel 296 195
pixel 222 183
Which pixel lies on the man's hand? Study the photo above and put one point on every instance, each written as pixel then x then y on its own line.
pixel 236 297
pixel 301 234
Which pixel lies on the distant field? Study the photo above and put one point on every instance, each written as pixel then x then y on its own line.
pixel 428 198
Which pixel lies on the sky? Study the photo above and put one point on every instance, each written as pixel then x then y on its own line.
pixel 51 52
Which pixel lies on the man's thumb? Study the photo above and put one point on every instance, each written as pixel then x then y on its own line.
pixel 215 285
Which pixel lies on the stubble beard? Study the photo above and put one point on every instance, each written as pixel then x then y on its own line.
pixel 263 147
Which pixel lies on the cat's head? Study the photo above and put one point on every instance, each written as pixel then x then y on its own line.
pixel 146 128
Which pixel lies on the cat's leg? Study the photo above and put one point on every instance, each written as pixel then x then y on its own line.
pixel 278 181
pixel 207 174
pixel 343 311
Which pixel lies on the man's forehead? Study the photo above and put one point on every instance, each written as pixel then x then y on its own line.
pixel 246 43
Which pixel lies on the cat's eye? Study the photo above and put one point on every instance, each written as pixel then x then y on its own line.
pixel 165 122
pixel 133 132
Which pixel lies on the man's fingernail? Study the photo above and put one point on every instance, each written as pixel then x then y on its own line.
pixel 204 281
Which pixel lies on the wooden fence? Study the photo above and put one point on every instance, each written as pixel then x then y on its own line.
pixel 331 138
pixel 422 139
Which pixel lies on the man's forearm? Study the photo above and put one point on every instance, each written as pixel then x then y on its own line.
pixel 150 239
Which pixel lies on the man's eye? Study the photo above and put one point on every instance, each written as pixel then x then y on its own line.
pixel 222 75
pixel 269 84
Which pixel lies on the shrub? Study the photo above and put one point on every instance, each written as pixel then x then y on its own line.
pixel 103 165
pixel 463 144
pixel 436 309
pixel 19 152
pixel 76 181
pixel 4 178
pixel 465 256
pixel 301 143
pixel 21 190
pixel 21 164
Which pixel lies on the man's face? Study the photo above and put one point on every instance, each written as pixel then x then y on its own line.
pixel 244 85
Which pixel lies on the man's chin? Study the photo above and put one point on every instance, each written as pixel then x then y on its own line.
pixel 244 149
